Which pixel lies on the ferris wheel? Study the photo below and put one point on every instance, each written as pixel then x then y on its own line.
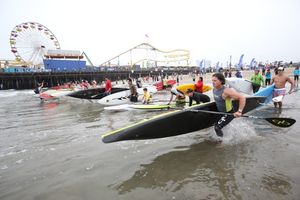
pixel 30 41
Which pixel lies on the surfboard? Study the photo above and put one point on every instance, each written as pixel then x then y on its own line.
pixel 116 98
pixel 160 85
pixel 266 92
pixel 240 85
pixel 175 122
pixel 51 94
pixel 184 87
pixel 123 96
pixel 118 108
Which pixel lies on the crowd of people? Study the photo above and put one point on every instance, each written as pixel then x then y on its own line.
pixel 222 94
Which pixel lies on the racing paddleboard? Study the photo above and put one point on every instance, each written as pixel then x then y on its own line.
pixel 184 87
pixel 54 94
pixel 94 93
pixel 175 122
pixel 123 96
pixel 240 85
pixel 161 85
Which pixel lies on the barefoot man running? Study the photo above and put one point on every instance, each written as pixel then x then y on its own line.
pixel 280 80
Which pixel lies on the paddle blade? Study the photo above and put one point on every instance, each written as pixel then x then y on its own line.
pixel 281 122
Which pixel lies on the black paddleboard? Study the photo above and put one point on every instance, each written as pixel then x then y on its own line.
pixel 93 93
pixel 175 122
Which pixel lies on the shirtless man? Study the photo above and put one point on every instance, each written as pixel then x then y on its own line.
pixel 280 80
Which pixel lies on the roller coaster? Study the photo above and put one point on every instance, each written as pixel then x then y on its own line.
pixel 145 55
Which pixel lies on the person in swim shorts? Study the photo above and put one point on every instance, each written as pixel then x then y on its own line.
pixel 280 79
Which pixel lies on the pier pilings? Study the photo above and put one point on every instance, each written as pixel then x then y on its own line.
pixel 29 80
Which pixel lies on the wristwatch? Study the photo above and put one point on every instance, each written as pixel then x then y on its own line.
pixel 240 111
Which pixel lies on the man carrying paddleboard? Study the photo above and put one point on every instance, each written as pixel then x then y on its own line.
pixel 107 86
pixel 179 96
pixel 223 97
pixel 280 80
pixel 199 85
pixel 133 91
pixel 257 79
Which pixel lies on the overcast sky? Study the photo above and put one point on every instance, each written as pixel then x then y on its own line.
pixel 267 30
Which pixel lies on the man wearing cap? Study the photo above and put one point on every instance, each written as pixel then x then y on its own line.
pixel 280 80
pixel 257 79
pixel 198 97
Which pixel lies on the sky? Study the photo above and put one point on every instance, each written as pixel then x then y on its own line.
pixel 267 30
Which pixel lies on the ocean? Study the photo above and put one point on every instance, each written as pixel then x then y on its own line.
pixel 53 150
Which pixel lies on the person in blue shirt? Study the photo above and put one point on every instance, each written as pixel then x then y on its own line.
pixel 268 77
pixel 296 76
pixel 238 74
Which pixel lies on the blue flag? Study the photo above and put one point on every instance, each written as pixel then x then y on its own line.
pixel 240 65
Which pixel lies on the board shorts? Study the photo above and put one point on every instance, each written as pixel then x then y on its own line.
pixel 180 102
pixel 296 77
pixel 278 92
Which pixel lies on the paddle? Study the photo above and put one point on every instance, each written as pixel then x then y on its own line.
pixel 121 98
pixel 276 121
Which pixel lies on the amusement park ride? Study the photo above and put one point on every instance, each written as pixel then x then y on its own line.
pixel 147 55
pixel 30 41
pixel 32 44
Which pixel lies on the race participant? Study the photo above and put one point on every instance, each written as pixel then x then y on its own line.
pixel 199 85
pixel 39 88
pixel 94 83
pixel 196 96
pixel 107 87
pixel 257 79
pixel 280 80
pixel 296 73
pixel 147 97
pixel 133 93
pixel 223 97
pixel 179 96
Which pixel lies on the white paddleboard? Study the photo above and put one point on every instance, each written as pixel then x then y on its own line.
pixel 115 98
pixel 122 97
pixel 240 85
pixel 123 107
pixel 51 94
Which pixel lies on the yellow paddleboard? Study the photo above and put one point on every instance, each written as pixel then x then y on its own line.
pixel 183 88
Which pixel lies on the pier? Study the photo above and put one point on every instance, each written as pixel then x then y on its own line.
pixel 29 80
